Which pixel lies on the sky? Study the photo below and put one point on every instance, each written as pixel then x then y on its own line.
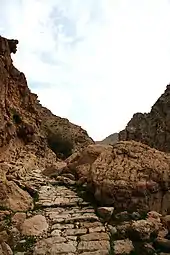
pixel 95 62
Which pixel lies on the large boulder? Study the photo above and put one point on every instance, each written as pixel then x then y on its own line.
pixel 128 175
pixel 14 198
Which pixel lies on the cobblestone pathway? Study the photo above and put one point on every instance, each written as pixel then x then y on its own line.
pixel 67 224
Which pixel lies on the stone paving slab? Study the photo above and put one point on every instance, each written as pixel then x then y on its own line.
pixel 73 226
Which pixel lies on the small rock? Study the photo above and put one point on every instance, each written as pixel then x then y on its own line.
pixel 105 212
pixel 135 216
pixel 122 247
pixel 122 230
pixel 153 214
pixel 54 245
pixel 93 246
pixel 10 177
pixel 113 230
pixel 5 249
pixel 3 236
pixel 14 236
pixel 34 226
pixel 148 249
pixel 65 181
pixel 166 221
pixel 54 170
pixel 142 230
pixel 18 219
pixel 69 176
pixel 3 214
pixel 56 232
pixel 122 216
pixel 94 237
pixel 162 244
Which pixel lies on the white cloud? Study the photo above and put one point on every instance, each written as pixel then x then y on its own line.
pixel 98 61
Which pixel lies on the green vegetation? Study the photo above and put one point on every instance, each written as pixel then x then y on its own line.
pixel 25 245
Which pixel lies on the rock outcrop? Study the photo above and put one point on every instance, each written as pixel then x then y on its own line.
pixel 25 124
pixel 151 128
pixel 19 118
pixel 128 175
pixel 63 137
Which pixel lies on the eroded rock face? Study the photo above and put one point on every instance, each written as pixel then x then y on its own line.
pixel 129 175
pixel 24 123
pixel 63 137
pixel 151 128
pixel 19 118
pixel 14 198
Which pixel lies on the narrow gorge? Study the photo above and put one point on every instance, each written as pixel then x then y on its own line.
pixel 62 193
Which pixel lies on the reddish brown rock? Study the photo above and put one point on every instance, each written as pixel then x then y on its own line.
pixel 3 236
pixel 25 126
pixel 122 247
pixel 35 226
pixel 14 198
pixel 105 212
pixel 18 219
pixel 79 163
pixel 5 249
pixel 55 169
pixel 64 137
pixel 129 175
pixel 151 128
pixel 19 118
pixel 4 214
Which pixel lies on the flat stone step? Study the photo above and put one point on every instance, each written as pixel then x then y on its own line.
pixel 73 226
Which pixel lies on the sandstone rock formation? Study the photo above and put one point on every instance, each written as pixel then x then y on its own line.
pixel 128 175
pixel 151 128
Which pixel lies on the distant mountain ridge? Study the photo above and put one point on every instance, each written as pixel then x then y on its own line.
pixel 151 128
pixel 111 139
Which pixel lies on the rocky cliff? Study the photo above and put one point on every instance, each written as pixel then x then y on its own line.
pixel 151 128
pixel 19 118
pixel 24 123
pixel 62 194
